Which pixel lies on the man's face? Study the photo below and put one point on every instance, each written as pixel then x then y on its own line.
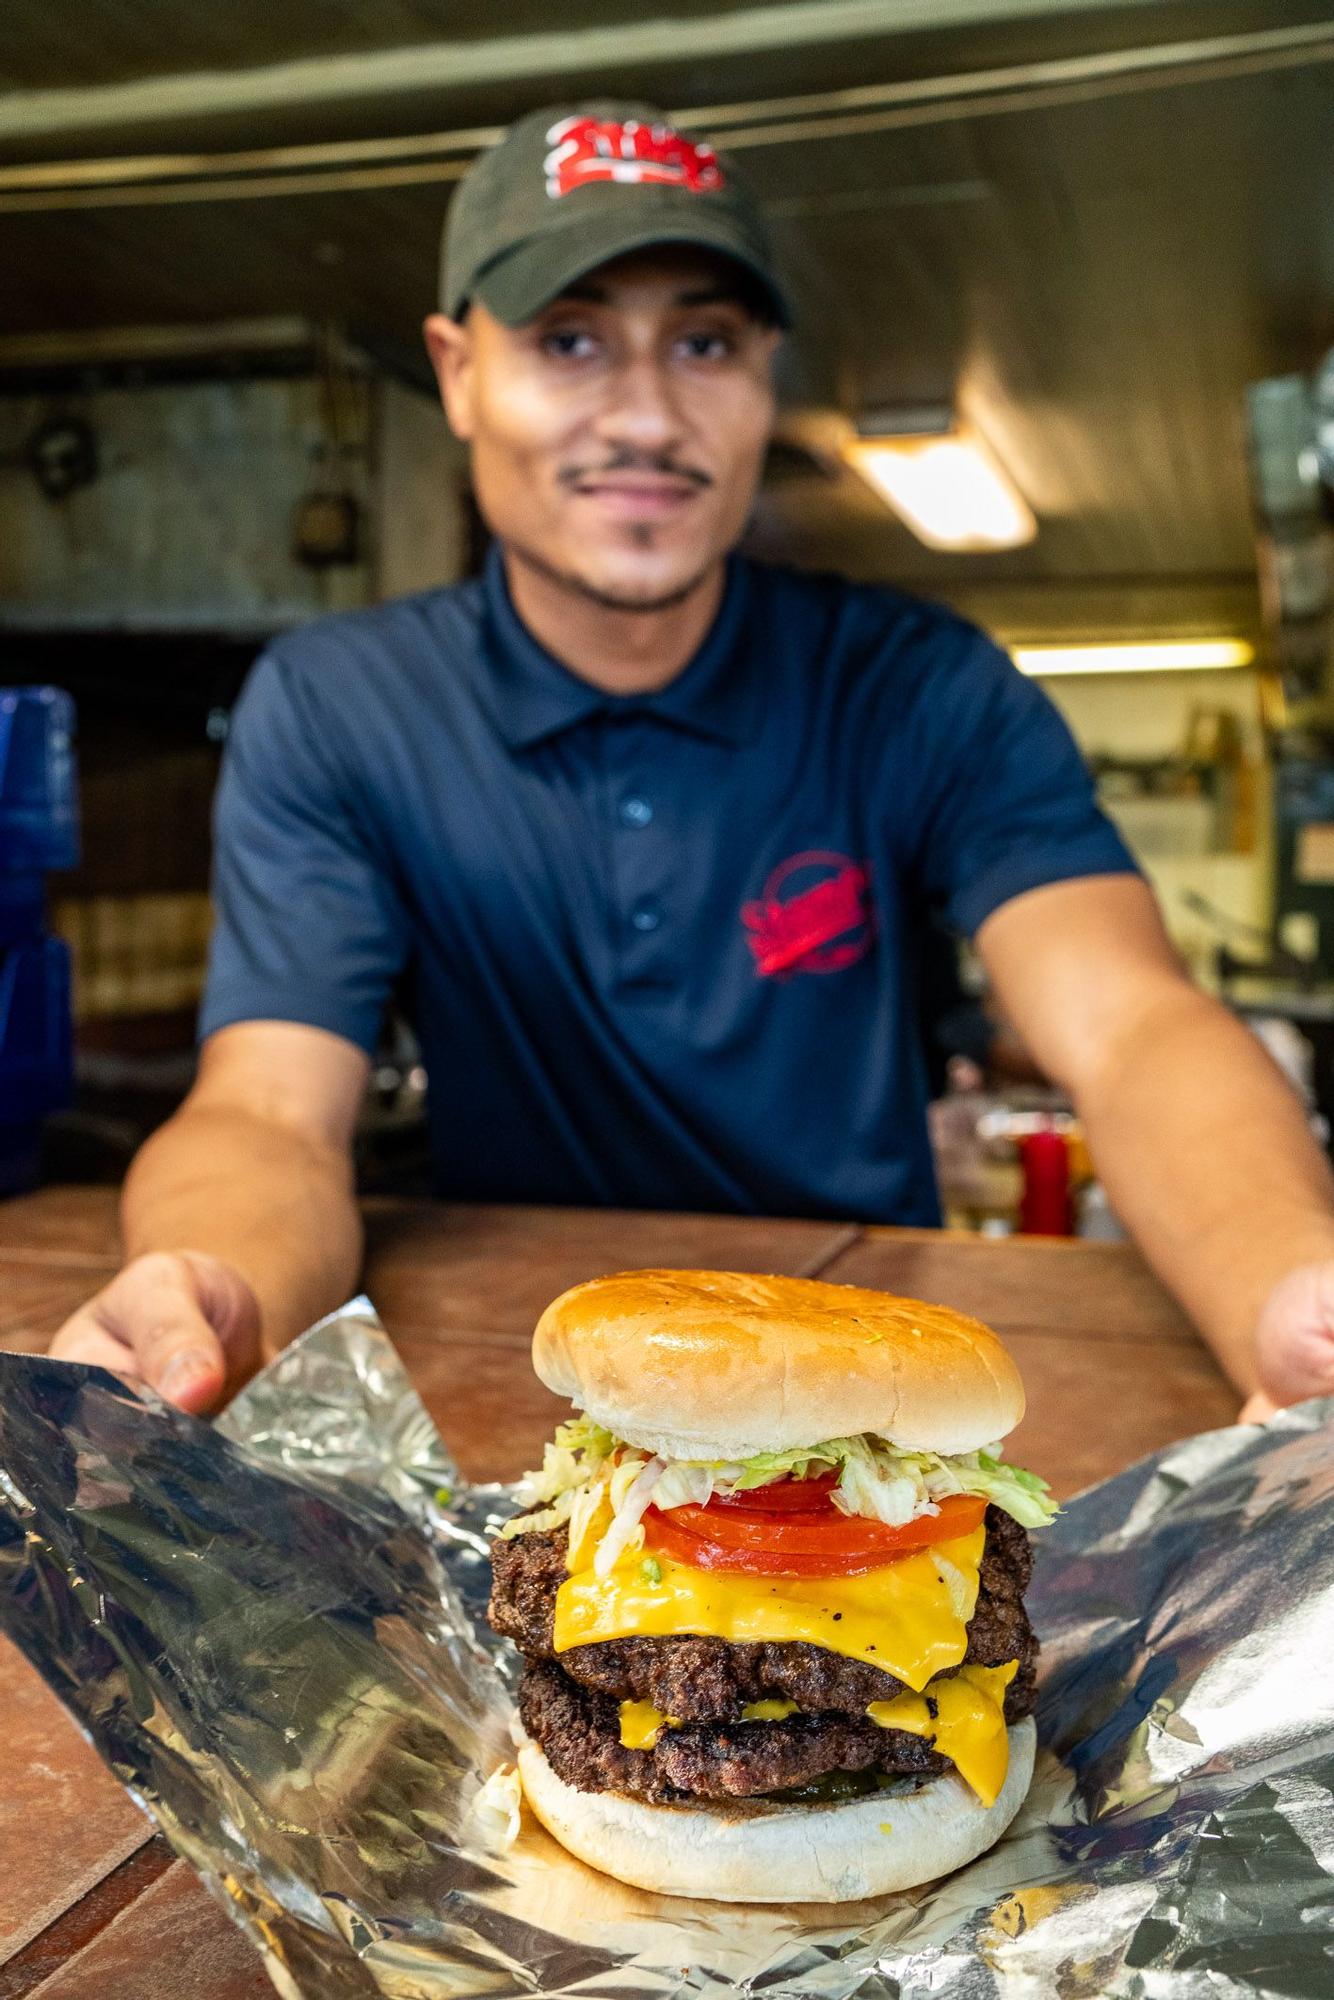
pixel 617 438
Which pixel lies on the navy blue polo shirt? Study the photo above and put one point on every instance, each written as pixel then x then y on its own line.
pixel 659 951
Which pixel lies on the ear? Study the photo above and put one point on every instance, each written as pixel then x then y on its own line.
pixel 449 344
pixel 771 340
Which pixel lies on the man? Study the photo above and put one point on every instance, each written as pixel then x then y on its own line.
pixel 645 837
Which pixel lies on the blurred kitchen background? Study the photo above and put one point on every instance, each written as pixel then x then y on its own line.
pixel 1067 280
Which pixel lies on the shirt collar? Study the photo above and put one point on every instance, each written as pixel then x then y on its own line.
pixel 712 696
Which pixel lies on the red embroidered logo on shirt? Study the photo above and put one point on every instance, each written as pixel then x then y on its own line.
pixel 813 916
pixel 585 150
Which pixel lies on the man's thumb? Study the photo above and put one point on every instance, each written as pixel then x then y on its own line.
pixel 192 1377
pixel 177 1351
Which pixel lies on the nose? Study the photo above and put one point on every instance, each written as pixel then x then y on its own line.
pixel 641 411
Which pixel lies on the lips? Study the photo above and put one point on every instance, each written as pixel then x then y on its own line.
pixel 640 498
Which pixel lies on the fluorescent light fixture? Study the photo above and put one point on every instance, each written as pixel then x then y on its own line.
pixel 944 481
pixel 1169 656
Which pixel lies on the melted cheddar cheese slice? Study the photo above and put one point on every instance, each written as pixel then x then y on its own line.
pixel 968 1726
pixel 642 1724
pixel 910 1617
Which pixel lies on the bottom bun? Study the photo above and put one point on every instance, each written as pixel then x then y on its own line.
pixel 784 1854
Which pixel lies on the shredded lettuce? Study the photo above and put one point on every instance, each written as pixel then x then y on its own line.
pixel 807 1462
pixel 539 1520
pixel 880 1480
pixel 631 1487
pixel 1018 1493
pixel 576 1452
pixel 889 1484
pixel 576 1457
pixel 585 1504
pixel 496 1810
pixel 684 1482
pixel 586 1466
pixel 894 1493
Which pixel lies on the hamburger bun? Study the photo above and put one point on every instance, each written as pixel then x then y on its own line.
pixel 725 1364
pixel 780 1854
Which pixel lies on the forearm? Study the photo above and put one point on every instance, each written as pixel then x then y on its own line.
pixel 276 1205
pixel 1207 1157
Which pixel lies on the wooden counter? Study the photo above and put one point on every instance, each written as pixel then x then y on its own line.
pixel 92 1906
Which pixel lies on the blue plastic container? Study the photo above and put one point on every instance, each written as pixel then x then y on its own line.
pixel 39 804
pixel 39 831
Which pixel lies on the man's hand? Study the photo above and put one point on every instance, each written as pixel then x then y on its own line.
pixel 1203 1146
pixel 1294 1342
pixel 254 1173
pixel 186 1324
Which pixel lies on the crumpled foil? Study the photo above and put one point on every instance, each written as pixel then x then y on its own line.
pixel 271 1630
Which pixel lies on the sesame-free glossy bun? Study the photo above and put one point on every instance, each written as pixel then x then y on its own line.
pixel 786 1854
pixel 724 1364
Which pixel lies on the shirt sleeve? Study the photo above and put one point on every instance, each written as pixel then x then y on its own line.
pixel 308 923
pixel 1006 803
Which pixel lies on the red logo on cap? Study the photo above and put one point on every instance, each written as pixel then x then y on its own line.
pixel 584 150
pixel 814 916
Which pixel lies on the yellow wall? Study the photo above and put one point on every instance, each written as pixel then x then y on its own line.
pixel 1148 715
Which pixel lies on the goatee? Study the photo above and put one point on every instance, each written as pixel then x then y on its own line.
pixel 608 599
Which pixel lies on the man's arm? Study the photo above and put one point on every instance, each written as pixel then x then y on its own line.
pixel 1203 1147
pixel 239 1218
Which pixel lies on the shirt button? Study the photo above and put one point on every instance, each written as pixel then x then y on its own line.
pixel 636 812
pixel 646 916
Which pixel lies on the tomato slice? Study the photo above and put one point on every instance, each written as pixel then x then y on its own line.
pixel 663 1537
pixel 784 1496
pixel 816 1543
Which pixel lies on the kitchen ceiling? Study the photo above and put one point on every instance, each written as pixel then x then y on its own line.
pixel 1092 250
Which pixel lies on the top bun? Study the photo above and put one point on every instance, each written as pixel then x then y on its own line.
pixel 724 1364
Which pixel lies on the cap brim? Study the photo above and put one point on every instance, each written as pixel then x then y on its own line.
pixel 520 283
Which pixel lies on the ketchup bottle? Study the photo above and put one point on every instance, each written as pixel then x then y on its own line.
pixel 1046 1208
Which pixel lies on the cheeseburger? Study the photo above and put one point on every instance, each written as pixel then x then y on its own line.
pixel 769 1589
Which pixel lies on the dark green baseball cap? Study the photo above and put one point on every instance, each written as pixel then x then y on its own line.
pixel 571 187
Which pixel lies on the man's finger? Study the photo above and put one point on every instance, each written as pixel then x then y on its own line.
pixel 185 1323
pixel 154 1308
pixel 82 1339
pixel 181 1357
pixel 230 1307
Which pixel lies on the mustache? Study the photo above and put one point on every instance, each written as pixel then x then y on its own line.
pixel 628 460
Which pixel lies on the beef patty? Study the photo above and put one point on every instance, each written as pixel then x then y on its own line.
pixel 712 1680
pixel 579 1729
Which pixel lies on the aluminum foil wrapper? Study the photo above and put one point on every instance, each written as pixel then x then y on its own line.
pixel 271 1630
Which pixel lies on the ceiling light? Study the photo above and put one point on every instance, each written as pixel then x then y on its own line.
pixel 943 480
pixel 1158 657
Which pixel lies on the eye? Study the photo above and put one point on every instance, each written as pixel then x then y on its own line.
pixel 707 345
pixel 569 343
